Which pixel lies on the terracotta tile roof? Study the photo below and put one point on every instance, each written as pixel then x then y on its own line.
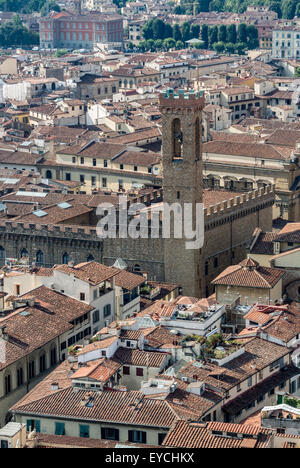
pixel 135 357
pixel 249 274
pixel 98 345
pixel 93 149
pixel 55 441
pixel 258 354
pixel 134 335
pixel 264 244
pixel 91 272
pixel 127 280
pixel 250 150
pixel 284 137
pixel 245 398
pixel 200 435
pixel 129 408
pixel 289 233
pixel 31 327
pixel 138 158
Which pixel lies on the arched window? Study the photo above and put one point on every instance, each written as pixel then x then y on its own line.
pixel 137 267
pixel 39 258
pixel 65 258
pixel 2 252
pixel 53 86
pixel 90 258
pixel 24 253
pixel 177 138
pixel 48 174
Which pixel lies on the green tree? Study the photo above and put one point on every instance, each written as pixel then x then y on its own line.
pixel 252 37
pixel 186 31
pixel 288 8
pixel 219 47
pixel 179 45
pixel 242 33
pixel 158 28
pixel 195 31
pixel 177 36
pixel 147 30
pixel 158 44
pixel 231 33
pixel 204 35
pixel 212 35
pixel 169 43
pixel 168 31
pixel 222 33
pixel 230 48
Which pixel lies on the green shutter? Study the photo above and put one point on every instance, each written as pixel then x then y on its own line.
pixel 84 431
pixel 59 428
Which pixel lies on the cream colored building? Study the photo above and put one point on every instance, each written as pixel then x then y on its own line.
pixel 104 166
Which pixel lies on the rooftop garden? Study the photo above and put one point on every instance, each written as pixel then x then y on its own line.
pixel 217 347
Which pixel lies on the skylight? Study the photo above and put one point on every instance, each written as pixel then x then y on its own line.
pixel 40 213
pixel 64 205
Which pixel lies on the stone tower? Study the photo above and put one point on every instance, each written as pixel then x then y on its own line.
pixel 182 181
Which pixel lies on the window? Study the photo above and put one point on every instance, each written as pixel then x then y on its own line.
pixel 107 310
pixel 137 436
pixel 135 168
pixel 60 428
pixel 126 370
pixel 94 162
pixel 121 186
pixel 53 358
pixel 84 431
pixel 110 433
pixel 121 166
pixel 161 438
pixel 42 363
pixel 96 316
pixel 105 163
pixel 74 160
pixel 31 369
pixel 139 372
pixel 250 381
pixel 20 377
pixel 104 182
pixel 7 384
pixel 93 180
pixel 4 444
pixel 68 176
pixel 33 424
pixel 17 289
pixel 82 178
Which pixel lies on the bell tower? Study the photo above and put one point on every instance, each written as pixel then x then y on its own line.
pixel 182 180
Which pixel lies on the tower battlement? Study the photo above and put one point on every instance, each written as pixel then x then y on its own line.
pixel 182 100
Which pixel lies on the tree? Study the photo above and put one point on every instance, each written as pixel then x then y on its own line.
pixel 252 37
pixel 168 31
pixel 204 35
pixel 275 6
pixel 177 36
pixel 240 48
pixel 147 30
pixel 203 5
pixel 179 45
pixel 158 28
pixel 186 31
pixel 158 44
pixel 212 35
pixel 231 33
pixel 222 33
pixel 242 33
pixel 230 48
pixel 195 31
pixel 289 8
pixel 169 43
pixel 219 47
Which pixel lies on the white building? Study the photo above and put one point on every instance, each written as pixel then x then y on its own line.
pixel 286 43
